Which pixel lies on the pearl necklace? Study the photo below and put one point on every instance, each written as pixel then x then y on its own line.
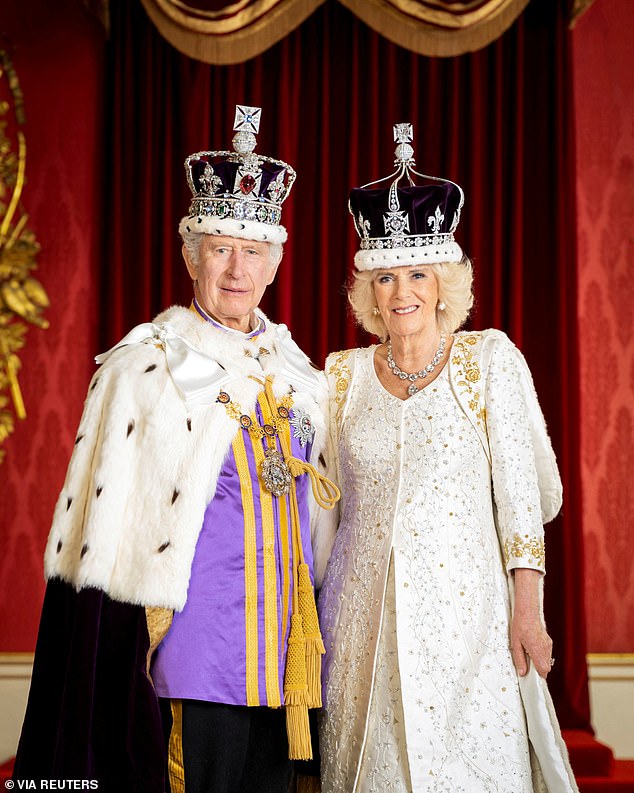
pixel 427 370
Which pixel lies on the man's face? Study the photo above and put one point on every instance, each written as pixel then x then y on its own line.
pixel 231 275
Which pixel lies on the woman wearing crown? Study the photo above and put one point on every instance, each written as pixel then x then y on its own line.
pixel 436 648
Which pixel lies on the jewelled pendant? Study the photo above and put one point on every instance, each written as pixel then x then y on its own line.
pixel 275 473
pixel 411 389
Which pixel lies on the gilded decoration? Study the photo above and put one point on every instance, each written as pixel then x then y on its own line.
pixel 525 548
pixel 22 297
pixel 237 30
pixel 468 375
pixel 233 32
pixel 341 372
pixel 250 423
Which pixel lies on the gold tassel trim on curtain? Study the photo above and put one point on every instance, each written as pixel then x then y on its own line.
pixel 233 34
pixel 232 39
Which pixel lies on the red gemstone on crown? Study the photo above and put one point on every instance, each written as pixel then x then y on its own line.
pixel 247 183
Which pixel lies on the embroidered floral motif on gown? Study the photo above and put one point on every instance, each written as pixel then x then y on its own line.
pixel 440 691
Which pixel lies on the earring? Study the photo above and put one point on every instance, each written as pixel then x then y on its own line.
pixel 441 306
pixel 375 310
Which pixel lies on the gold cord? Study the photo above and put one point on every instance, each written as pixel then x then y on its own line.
pixel 302 678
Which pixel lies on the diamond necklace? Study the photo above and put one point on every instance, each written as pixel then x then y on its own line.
pixel 427 370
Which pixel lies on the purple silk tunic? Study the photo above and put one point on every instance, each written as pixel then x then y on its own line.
pixel 204 655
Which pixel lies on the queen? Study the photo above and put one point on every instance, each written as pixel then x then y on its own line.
pixel 436 647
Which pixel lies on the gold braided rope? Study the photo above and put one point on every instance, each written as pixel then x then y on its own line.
pixel 302 675
pixel 302 679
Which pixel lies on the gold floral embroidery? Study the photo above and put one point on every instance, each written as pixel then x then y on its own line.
pixel 525 547
pixel 341 372
pixel 469 374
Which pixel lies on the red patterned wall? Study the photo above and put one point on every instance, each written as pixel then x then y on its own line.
pixel 57 51
pixel 604 109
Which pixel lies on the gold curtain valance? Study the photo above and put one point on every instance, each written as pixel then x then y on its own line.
pixel 241 30
pixel 438 28
pixel 219 32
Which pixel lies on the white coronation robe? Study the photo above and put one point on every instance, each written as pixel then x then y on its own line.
pixel 150 447
pixel 420 689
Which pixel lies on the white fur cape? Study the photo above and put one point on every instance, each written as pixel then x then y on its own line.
pixel 147 455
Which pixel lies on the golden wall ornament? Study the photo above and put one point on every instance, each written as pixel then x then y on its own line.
pixel 22 297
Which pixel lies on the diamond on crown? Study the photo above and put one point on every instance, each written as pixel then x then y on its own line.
pixel 247 118
pixel 403 133
pixel 435 221
pixel 209 182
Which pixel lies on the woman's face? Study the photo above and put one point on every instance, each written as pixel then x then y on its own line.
pixel 407 298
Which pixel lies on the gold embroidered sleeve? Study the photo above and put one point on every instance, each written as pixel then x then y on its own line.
pixel 513 467
pixel 528 549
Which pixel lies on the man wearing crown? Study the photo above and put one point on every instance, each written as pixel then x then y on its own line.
pixel 179 647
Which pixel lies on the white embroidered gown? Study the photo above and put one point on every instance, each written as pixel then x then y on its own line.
pixel 415 605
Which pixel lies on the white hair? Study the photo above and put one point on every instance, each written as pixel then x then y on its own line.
pixel 192 240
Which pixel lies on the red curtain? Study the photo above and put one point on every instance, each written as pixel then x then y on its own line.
pixel 497 121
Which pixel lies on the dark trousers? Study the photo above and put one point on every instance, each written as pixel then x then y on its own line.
pixel 234 749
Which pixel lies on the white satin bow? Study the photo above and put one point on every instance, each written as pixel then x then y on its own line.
pixel 199 377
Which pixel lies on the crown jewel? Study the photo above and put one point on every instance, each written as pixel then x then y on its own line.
pixel 238 193
pixel 405 222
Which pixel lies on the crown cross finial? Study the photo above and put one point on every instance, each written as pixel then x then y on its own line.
pixel 403 136
pixel 247 118
pixel 403 133
pixel 246 125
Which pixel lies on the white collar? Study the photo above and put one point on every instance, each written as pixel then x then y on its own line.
pixel 192 346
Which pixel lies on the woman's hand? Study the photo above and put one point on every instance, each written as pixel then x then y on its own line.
pixel 529 639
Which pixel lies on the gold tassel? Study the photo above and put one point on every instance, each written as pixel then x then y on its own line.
pixel 314 643
pixel 296 694
pixel 313 678
pixel 302 678
pixel 298 732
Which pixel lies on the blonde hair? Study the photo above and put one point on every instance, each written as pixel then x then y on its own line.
pixel 455 281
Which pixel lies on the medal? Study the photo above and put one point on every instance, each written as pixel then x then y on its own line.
pixel 275 473
pixel 302 426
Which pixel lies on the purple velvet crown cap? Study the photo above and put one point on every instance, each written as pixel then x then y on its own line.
pixel 226 172
pixel 401 222
pixel 238 193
